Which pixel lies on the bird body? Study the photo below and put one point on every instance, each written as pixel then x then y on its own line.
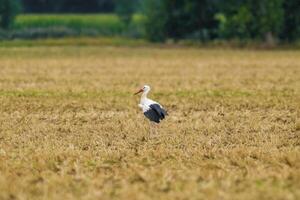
pixel 151 109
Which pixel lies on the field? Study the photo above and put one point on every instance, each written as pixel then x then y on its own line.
pixel 71 128
pixel 61 25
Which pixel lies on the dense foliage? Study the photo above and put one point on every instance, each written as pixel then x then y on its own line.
pixel 125 10
pixel 264 20
pixel 180 19
pixel 8 11
pixel 204 20
pixel 251 19
pixel 291 25
pixel 31 26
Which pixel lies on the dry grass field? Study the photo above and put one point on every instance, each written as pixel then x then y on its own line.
pixel 70 127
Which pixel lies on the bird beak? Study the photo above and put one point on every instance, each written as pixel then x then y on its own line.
pixel 141 90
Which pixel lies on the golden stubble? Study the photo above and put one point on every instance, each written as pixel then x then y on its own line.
pixel 71 128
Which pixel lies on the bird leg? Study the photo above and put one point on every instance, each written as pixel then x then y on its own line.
pixel 153 129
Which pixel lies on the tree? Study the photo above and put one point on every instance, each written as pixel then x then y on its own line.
pixel 235 20
pixel 125 9
pixel 180 19
pixel 8 11
pixel 156 21
pixel 252 19
pixel 270 19
pixel 291 25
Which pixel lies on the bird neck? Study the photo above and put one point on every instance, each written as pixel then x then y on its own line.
pixel 144 96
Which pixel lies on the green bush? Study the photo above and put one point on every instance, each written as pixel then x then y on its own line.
pixel 102 23
pixel 62 25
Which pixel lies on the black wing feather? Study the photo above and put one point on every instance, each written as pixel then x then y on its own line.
pixel 152 115
pixel 159 110
pixel 155 113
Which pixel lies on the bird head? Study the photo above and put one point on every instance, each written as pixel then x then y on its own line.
pixel 145 88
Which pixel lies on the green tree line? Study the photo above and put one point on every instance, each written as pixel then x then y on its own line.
pixel 205 20
pixel 264 20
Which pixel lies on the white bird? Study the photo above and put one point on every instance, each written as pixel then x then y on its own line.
pixel 151 109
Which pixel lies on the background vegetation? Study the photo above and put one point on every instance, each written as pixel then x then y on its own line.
pixel 267 21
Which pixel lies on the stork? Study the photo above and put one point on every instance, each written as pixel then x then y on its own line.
pixel 151 109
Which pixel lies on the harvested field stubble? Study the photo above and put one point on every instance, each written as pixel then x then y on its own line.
pixel 71 129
